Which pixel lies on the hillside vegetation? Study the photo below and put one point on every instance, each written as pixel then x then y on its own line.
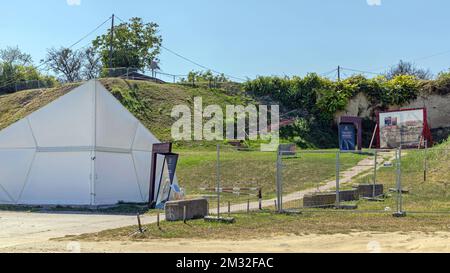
pixel 151 103
pixel 313 100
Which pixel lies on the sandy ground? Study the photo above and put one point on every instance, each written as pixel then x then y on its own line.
pixel 18 228
pixel 363 242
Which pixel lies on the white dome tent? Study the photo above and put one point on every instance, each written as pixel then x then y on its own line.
pixel 83 149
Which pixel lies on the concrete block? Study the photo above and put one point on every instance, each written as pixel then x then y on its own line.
pixel 366 190
pixel 349 195
pixel 288 149
pixel 195 209
pixel 319 200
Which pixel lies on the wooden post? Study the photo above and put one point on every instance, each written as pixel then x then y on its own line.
pixel 248 206
pixel 260 198
pixel 184 214
pixel 157 220
pixel 139 223
pixel 229 208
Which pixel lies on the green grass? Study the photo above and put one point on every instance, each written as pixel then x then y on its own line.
pixel 264 224
pixel 16 106
pixel 152 103
pixel 198 168
pixel 427 196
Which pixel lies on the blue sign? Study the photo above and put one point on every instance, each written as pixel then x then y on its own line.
pixel 347 137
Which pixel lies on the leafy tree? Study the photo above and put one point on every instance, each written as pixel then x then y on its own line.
pixel 11 59
pixel 17 71
pixel 204 76
pixel 136 44
pixel 401 89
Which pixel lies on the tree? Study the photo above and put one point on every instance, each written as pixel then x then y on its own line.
pixel 14 56
pixel 204 76
pixel 11 58
pixel 136 45
pixel 407 68
pixel 17 71
pixel 91 64
pixel 66 63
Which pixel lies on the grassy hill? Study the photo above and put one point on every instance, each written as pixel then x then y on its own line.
pixel 151 103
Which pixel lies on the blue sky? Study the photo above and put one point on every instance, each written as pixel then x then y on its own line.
pixel 246 38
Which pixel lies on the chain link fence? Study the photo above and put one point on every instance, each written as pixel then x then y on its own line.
pixel 25 85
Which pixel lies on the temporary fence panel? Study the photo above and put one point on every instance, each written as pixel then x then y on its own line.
pixel 425 176
pixel 305 174
pixel 243 177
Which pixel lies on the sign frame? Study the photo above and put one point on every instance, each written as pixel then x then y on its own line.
pixel 426 133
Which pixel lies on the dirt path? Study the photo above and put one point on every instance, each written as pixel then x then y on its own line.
pixel 365 242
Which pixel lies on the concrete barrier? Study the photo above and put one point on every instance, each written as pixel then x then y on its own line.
pixel 195 209
pixel 328 199
pixel 319 200
pixel 366 190
pixel 349 195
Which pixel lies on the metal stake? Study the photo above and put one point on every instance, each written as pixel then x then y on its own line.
pixel 260 198
pixel 338 167
pixel 375 173
pixel 218 181
pixel 425 167
pixel 279 201
pixel 139 223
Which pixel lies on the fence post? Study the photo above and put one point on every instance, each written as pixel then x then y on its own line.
pixel 260 198
pixel 375 173
pixel 139 223
pixel 338 171
pixel 400 212
pixel 425 164
pixel 218 181
pixel 158 220
pixel 279 181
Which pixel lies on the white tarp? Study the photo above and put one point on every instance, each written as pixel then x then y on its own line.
pixel 84 148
